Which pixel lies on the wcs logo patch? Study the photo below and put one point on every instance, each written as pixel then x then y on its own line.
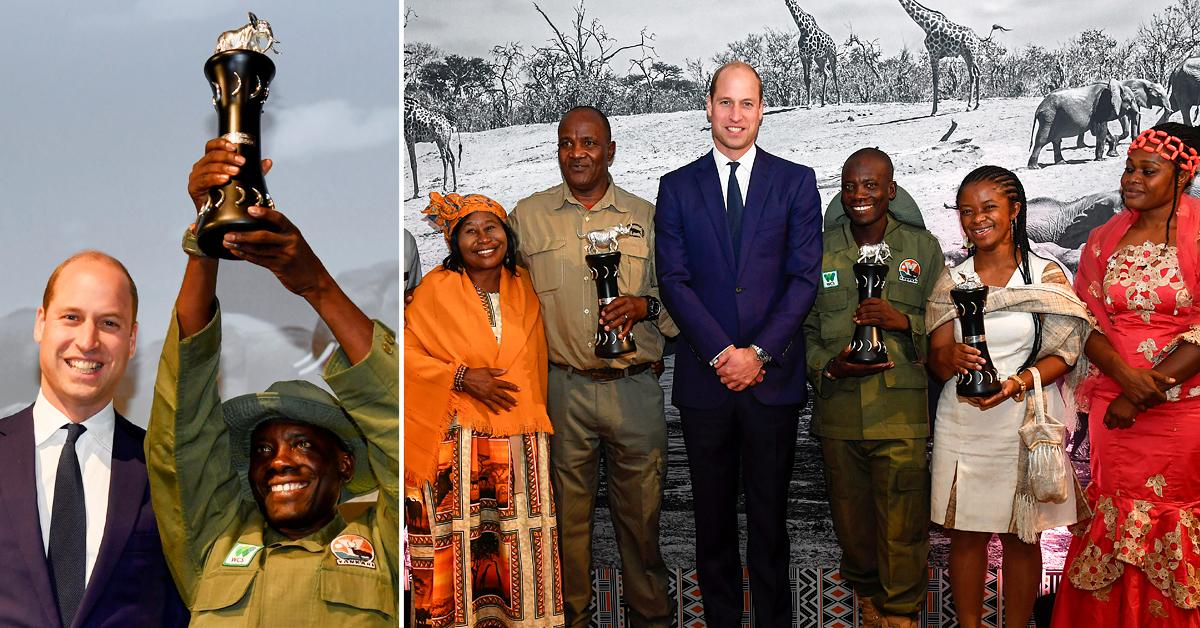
pixel 829 279
pixel 909 271
pixel 352 549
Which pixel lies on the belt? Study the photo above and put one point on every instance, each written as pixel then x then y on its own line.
pixel 606 374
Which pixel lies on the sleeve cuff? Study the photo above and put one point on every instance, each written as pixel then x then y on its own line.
pixel 205 342
pixel 381 367
pixel 713 362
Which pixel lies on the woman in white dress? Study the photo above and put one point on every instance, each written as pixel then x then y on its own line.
pixel 1033 321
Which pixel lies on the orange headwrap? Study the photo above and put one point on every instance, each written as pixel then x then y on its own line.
pixel 444 212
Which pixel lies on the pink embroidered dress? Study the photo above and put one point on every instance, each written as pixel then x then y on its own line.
pixel 1137 561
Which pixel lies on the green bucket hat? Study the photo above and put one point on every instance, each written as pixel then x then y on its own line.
pixel 301 402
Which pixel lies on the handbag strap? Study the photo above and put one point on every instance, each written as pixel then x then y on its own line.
pixel 1039 395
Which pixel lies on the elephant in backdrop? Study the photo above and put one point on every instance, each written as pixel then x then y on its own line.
pixel 1184 90
pixel 1069 112
pixel 1146 95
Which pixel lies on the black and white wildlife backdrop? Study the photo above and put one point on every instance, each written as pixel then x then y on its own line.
pixel 499 73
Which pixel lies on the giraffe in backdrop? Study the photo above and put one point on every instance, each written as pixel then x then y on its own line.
pixel 422 124
pixel 815 45
pixel 944 38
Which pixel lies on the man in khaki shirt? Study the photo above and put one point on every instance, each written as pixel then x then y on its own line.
pixel 615 405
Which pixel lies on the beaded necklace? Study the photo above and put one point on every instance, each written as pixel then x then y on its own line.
pixel 487 305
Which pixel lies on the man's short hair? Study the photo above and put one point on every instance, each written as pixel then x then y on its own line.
pixel 874 152
pixel 712 84
pixel 48 293
pixel 603 118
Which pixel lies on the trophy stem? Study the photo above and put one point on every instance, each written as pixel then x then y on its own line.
pixel 866 346
pixel 971 304
pixel 605 268
pixel 240 80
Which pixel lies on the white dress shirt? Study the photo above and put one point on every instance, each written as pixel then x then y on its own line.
pixel 745 165
pixel 94 450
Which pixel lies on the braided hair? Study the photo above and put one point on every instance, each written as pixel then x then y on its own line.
pixel 1190 136
pixel 1010 186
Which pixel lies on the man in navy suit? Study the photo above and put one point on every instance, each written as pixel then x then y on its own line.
pixel 81 545
pixel 738 253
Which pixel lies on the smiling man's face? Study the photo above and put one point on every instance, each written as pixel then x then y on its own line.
pixel 297 472
pixel 86 335
pixel 735 109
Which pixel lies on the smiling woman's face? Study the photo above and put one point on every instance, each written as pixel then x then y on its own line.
pixel 986 215
pixel 482 241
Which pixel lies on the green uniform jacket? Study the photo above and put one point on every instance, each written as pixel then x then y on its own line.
pixel 891 404
pixel 211 528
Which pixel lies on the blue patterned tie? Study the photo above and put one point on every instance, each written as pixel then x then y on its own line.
pixel 733 207
pixel 68 529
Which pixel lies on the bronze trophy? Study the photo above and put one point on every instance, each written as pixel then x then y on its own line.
pixel 970 300
pixel 870 273
pixel 240 75
pixel 605 267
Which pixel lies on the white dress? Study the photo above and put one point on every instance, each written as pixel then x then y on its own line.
pixel 975 452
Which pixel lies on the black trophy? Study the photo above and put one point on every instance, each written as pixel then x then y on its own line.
pixel 970 299
pixel 240 75
pixel 605 269
pixel 870 273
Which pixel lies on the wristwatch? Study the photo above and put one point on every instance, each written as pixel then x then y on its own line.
pixel 762 355
pixel 190 245
pixel 825 371
pixel 653 308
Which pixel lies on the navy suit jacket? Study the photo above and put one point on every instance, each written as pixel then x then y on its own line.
pixel 129 585
pixel 761 301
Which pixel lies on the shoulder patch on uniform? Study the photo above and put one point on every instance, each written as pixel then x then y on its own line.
pixel 352 549
pixel 829 279
pixel 909 271
pixel 241 555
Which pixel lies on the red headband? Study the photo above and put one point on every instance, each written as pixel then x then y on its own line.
pixel 1168 147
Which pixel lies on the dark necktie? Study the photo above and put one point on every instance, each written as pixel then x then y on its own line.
pixel 733 207
pixel 68 529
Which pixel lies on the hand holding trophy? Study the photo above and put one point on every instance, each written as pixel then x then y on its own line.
pixel 870 273
pixel 240 75
pixel 605 267
pixel 970 299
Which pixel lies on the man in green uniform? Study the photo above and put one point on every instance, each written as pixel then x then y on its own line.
pixel 614 406
pixel 873 420
pixel 249 489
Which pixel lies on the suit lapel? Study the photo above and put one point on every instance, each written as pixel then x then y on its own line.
pixel 756 197
pixel 18 498
pixel 709 184
pixel 127 487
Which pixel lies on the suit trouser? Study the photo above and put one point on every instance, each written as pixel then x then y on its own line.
pixel 760 441
pixel 879 499
pixel 624 417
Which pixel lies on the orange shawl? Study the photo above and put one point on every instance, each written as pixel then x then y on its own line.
pixel 445 326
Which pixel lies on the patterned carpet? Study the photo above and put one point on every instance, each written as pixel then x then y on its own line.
pixel 820 599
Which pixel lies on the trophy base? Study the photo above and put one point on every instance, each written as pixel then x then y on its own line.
pixel 867 356
pixel 979 384
pixel 210 234
pixel 611 346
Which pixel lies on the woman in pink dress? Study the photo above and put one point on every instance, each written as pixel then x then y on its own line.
pixel 1137 561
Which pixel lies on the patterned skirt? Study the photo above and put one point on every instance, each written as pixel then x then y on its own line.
pixel 483 538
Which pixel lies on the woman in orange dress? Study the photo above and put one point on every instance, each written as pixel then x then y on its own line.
pixel 1137 561
pixel 479 510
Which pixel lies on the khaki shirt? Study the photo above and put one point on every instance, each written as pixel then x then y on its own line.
pixel 550 226
pixel 893 403
pixel 232 568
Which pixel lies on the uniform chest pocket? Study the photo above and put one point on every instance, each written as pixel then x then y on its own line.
pixel 224 590
pixel 359 587
pixel 635 266
pixel 546 263
pixel 835 311
pixel 906 297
